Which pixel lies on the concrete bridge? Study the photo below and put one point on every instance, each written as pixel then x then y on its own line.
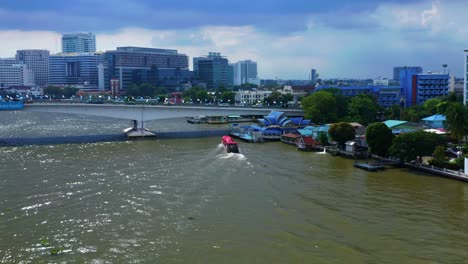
pixel 142 113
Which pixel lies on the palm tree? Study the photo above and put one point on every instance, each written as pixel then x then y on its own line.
pixel 456 115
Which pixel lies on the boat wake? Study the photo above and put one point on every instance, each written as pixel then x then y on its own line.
pixel 236 156
pixel 323 152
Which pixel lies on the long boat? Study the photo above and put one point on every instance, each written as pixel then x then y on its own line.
pixel 229 144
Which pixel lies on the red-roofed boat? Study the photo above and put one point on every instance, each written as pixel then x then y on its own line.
pixel 229 144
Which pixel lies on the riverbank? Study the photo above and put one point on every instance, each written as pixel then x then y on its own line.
pixel 436 171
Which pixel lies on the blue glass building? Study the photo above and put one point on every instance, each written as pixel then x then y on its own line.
pixel 75 69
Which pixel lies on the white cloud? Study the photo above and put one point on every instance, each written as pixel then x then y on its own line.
pixel 13 40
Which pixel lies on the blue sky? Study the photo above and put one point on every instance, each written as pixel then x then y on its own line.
pixel 340 38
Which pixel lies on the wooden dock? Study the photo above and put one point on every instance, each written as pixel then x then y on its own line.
pixel 369 166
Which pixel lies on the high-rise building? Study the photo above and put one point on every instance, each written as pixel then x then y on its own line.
pixel 136 65
pixel 417 87
pixel 14 73
pixel 78 42
pixel 212 69
pixel 313 76
pixel 465 77
pixel 397 71
pixel 407 80
pixel 76 69
pixel 429 85
pixel 37 61
pixel 245 72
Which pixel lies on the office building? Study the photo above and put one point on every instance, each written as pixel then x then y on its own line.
pixel 407 82
pixel 429 85
pixel 212 70
pixel 78 42
pixel 397 71
pixel 245 72
pixel 37 61
pixel 137 65
pixel 79 70
pixel 14 73
pixel 313 76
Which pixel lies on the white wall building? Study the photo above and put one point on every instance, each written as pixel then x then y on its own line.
pixel 245 72
pixel 380 81
pixel 251 97
pixel 465 73
pixel 14 73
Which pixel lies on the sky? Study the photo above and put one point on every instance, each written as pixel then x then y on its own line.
pixel 287 38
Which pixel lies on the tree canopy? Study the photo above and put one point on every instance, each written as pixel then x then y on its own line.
pixel 320 107
pixel 379 138
pixel 342 132
pixel 363 109
pixel 457 120
pixel 409 146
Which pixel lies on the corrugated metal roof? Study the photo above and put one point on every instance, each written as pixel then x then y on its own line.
pixel 435 117
pixel 393 123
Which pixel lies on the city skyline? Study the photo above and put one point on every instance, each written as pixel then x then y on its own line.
pixel 362 39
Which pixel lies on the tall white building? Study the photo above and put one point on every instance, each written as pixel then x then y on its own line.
pixel 465 83
pixel 37 61
pixel 14 73
pixel 245 72
pixel 78 42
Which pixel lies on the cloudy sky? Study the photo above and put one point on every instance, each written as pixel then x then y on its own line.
pixel 340 38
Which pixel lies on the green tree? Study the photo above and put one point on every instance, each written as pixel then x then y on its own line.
pixel 379 138
pixel 147 90
pixel 432 105
pixel 342 132
pixel 54 91
pixel 363 109
pixel 228 97
pixel 323 139
pixel 393 112
pixel 69 91
pixel 439 154
pixel 320 107
pixel 457 120
pixel 342 102
pixel 133 90
pixel 409 146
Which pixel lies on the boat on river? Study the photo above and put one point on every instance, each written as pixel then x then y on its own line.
pixel 229 144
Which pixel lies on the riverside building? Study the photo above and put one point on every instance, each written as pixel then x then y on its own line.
pixel 37 61
pixel 137 65
pixel 14 73
pixel 245 72
pixel 213 70
pixel 79 70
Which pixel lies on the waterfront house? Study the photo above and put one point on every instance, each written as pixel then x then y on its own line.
pixel 315 131
pixel 435 121
pixel 399 127
pixel 306 143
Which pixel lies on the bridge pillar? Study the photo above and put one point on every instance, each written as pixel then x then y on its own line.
pixel 135 131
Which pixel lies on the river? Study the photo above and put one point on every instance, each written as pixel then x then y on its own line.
pixel 184 200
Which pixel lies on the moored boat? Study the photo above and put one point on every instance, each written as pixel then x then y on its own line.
pixel 229 144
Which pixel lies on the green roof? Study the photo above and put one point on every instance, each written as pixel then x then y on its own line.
pixel 394 123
